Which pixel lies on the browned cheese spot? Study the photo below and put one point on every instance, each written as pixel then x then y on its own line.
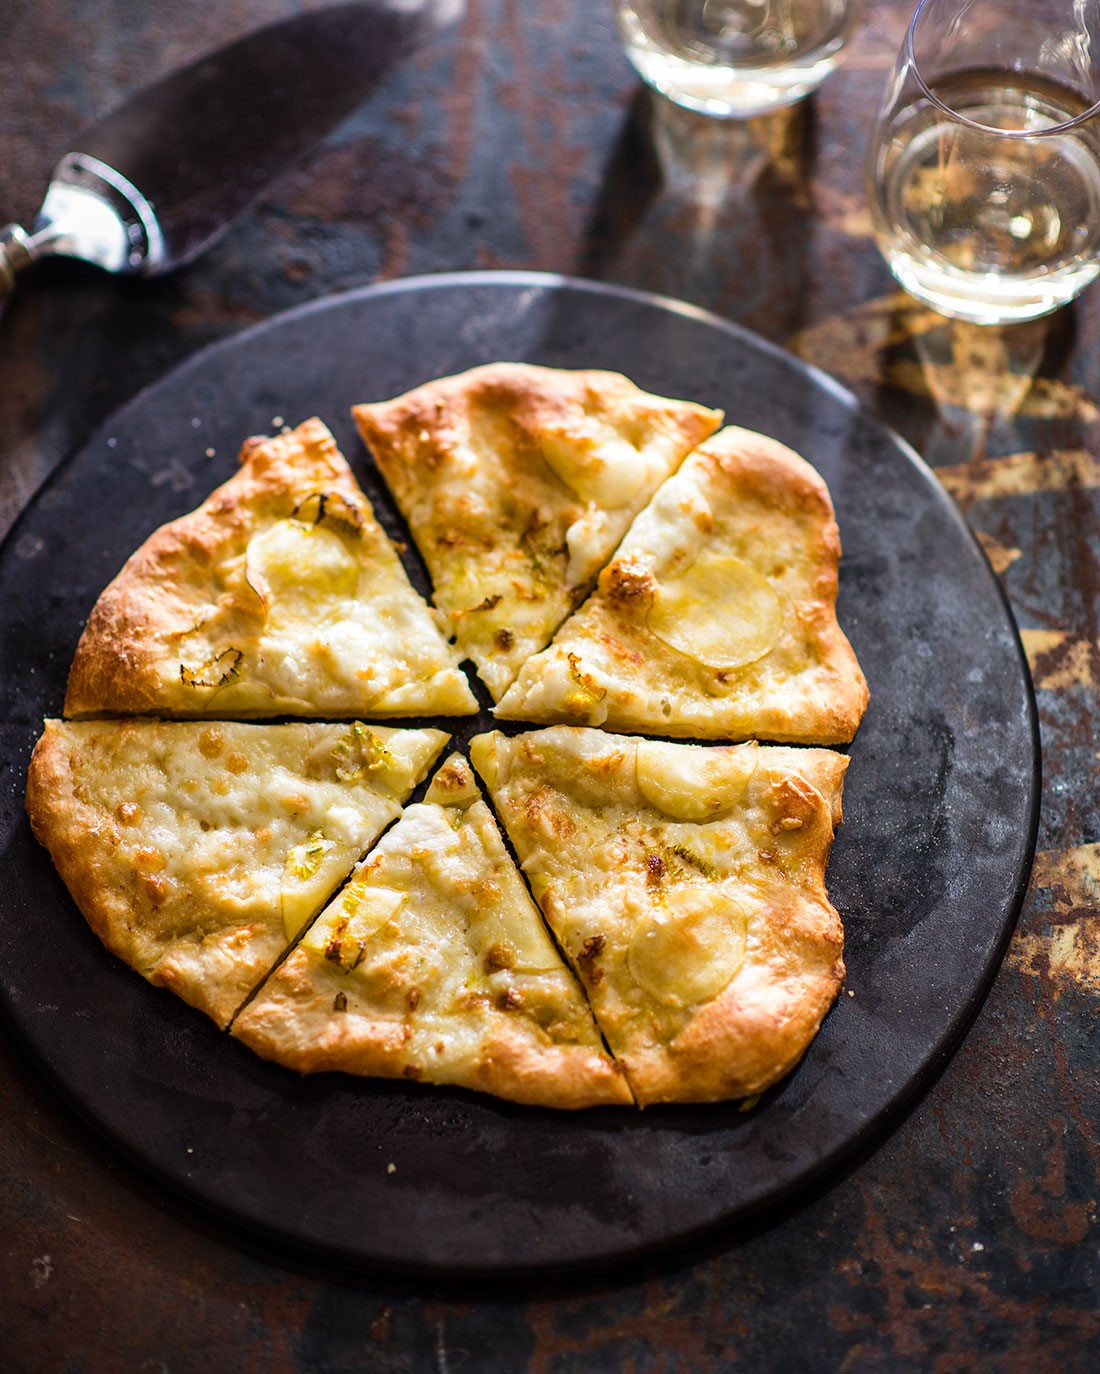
pixel 498 956
pixel 794 802
pixel 586 959
pixel 623 652
pixel 608 765
pixel 155 888
pixel 541 814
pixel 452 777
pixel 655 870
pixel 630 586
pixel 210 743
pixel 334 945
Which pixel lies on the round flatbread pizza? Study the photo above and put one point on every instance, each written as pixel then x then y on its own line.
pixel 244 797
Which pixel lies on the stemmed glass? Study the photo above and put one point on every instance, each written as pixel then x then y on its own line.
pixel 984 172
pixel 735 58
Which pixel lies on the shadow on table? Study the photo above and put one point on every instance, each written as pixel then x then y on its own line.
pixel 717 212
pixel 988 387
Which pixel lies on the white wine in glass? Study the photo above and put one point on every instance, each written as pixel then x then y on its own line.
pixel 735 58
pixel 984 181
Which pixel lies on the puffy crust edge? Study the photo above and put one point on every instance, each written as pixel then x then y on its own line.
pixel 292 1022
pixel 530 395
pixel 245 953
pixel 738 462
pixel 61 831
pixel 115 665
pixel 747 461
pixel 755 1032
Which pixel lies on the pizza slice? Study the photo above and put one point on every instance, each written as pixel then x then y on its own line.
pixel 685 884
pixel 197 852
pixel 717 617
pixel 433 964
pixel 279 595
pixel 517 483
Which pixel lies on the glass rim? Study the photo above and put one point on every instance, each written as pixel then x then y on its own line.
pixel 911 56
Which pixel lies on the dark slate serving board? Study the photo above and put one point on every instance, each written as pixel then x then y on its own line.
pixel 928 871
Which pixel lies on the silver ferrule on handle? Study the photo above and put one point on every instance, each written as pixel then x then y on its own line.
pixel 15 253
pixel 90 212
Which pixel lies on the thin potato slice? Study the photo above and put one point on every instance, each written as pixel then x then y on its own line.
pixel 700 928
pixel 517 483
pixel 197 851
pixel 433 965
pixel 716 619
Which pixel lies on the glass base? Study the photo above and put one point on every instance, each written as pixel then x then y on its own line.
pixel 987 298
pixel 729 92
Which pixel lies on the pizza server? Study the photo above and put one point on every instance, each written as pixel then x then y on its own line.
pixel 158 181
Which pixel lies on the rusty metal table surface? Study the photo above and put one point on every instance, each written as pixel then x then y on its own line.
pixel 966 1237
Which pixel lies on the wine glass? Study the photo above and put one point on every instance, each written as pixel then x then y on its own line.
pixel 735 58
pixel 984 169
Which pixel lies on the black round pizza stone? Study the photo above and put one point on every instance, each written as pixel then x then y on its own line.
pixel 928 870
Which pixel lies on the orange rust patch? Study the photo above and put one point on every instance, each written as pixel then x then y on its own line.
pixel 1040 1206
pixel 1069 954
pixel 1067 951
pixel 1001 556
pixel 1022 474
pixel 1073 875
pixel 1059 660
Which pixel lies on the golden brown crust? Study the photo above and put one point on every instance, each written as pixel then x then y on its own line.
pixel 517 483
pixel 300 1027
pixel 685 884
pixel 196 850
pixel 61 817
pixel 433 965
pixel 192 625
pixel 635 658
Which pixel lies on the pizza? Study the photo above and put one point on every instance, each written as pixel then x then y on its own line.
pixel 685 883
pixel 433 964
pixel 634 908
pixel 517 483
pixel 199 851
pixel 280 595
pixel 716 619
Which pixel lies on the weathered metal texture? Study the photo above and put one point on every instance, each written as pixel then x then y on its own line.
pixel 966 1239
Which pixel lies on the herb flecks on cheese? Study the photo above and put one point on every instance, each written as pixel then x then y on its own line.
pixel 279 595
pixel 685 883
pixel 716 619
pixel 517 483
pixel 197 850
pixel 433 964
